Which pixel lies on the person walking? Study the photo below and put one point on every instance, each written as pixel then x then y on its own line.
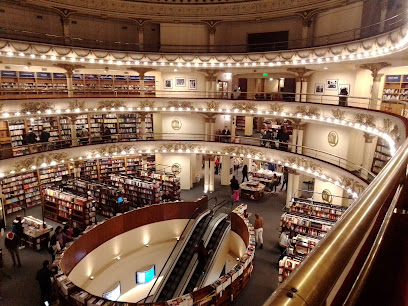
pixel 235 189
pixel 283 241
pixel 285 179
pixel 53 247
pixel 245 173
pixel 274 183
pixel 12 243
pixel 44 280
pixel 258 226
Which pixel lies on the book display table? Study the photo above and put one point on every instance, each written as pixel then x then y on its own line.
pixel 252 190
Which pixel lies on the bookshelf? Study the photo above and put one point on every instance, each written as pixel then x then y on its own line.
pixel 317 209
pixel 65 131
pixel 167 182
pixel 240 123
pixel 52 176
pixel 5 140
pixel 18 131
pixel 62 206
pixel 304 224
pixel 128 124
pixel 287 265
pixel 108 166
pixel 381 156
pixel 89 170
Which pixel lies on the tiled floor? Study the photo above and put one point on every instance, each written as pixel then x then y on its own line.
pixel 22 289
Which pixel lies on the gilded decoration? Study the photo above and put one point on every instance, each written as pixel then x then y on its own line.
pixel 170 147
pixel 1 107
pixel 109 150
pixel 244 106
pixel 242 151
pixel 338 114
pixel 308 111
pixel 146 104
pixel 303 162
pixel 276 107
pixel 35 107
pixel 76 104
pixel 182 104
pixel 108 104
pixel 365 119
pixel 37 161
pixel 213 105
pixel 391 128
pixel 352 184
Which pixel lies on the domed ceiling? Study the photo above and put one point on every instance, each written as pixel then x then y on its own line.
pixel 190 10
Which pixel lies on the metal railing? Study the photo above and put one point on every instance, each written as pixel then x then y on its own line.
pixel 333 159
pixel 316 280
pixel 333 38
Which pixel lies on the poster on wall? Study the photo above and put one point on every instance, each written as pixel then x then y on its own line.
pixel 319 88
pixel 331 84
pixel 168 84
pixel 180 82
pixel 344 89
pixel 192 84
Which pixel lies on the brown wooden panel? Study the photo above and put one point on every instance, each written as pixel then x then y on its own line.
pixel 238 226
pixel 126 222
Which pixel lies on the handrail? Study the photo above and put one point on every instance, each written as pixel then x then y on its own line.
pixel 312 282
pixel 333 38
pixel 253 141
pixel 177 243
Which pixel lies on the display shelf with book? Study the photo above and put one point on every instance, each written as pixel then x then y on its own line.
pixel 302 245
pixel 89 169
pixel 96 126
pixel 108 166
pixel 381 156
pixel 20 191
pixel 287 265
pixel 53 175
pixel 316 209
pixel 61 206
pixel 133 165
pixel 18 131
pixel 304 224
pixel 139 192
pixel 167 182
pixel 128 124
pixel 240 123
pixel 36 233
pixel 65 130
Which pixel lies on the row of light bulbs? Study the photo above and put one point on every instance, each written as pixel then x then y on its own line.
pixel 320 60
pixel 148 151
pixel 343 122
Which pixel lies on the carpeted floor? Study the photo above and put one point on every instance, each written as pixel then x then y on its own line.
pixel 22 289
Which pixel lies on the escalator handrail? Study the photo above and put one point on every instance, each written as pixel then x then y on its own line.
pixel 177 243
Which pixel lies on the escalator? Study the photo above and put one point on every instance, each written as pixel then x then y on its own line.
pixel 179 268
pixel 214 243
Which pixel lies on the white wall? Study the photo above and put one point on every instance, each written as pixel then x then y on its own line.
pixel 190 123
pixel 183 34
pixel 184 161
pixel 336 192
pixel 181 73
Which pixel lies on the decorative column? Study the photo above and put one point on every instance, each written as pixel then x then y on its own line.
pixel 294 138
pixel 299 142
pixel 225 170
pixel 140 34
pixel 206 173
pixel 66 30
pixel 212 129
pixel 303 96
pixel 301 82
pixel 74 136
pixel 142 126
pixel 306 27
pixel 375 93
pixel 141 72
pixel 212 169
pixel 248 162
pixel 293 185
pixel 207 129
pixel 210 81
pixel 144 162
pixel 249 126
pixel 383 4
pixel 69 71
pixel 211 38
pixel 368 154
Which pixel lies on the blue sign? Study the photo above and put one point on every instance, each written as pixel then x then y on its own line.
pixel 134 78
pixel 392 78
pixel 10 74
pixel 59 76
pixel 43 75
pixel 405 78
pixel 77 76
pixel 91 77
pixel 145 276
pixel 25 74
pixel 120 78
pixel 106 77
pixel 149 78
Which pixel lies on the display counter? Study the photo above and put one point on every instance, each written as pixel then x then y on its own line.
pixel 36 233
pixel 252 190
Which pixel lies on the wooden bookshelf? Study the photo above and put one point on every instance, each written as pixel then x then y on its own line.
pixel 381 156
pixel 317 209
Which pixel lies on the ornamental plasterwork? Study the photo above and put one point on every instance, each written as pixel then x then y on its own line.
pixel 76 104
pixel 303 162
pixel 1 107
pixel 35 107
pixel 146 104
pixel 391 128
pixel 182 104
pixel 108 104
pixel 170 147
pixel 113 149
pixel 276 107
pixel 338 114
pixel 352 184
pixel 37 161
pixel 365 119
pixel 242 151
pixel 308 111
pixel 244 106
pixel 213 105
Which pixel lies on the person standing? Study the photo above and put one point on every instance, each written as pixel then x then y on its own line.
pixel 226 134
pixel 12 243
pixel 283 241
pixel 235 189
pixel 285 179
pixel 31 137
pixel 44 280
pixel 245 173
pixel 107 135
pixel 53 247
pixel 44 138
pixel 275 182
pixel 258 226
pixel 84 136
pixel 202 255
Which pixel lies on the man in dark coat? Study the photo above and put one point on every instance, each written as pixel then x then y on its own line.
pixel 44 279
pixel 12 243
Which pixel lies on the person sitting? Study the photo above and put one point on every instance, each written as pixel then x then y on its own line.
pixel 166 197
pixel 84 136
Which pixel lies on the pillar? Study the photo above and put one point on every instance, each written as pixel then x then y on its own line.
pixel 368 154
pixel 206 174
pixel 144 162
pixel 233 127
pixel 293 186
pixel 208 87
pixel 140 33
pixel 249 126
pixel 213 87
pixel 212 129
pixel 306 25
pixel 66 30
pixel 69 84
pixel 375 93
pixel 141 83
pixel 225 170
pixel 207 129
pixel 74 136
pixel 248 162
pixel 383 14
pixel 299 142
pixel 294 139
pixel 211 186
pixel 199 167
pixel 303 96
pixel 211 38
pixel 298 89
pixel 142 126
pixel 193 166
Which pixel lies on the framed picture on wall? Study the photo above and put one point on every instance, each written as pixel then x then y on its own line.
pixel 180 82
pixel 192 84
pixel 168 84
pixel 344 89
pixel 319 88
pixel 331 84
